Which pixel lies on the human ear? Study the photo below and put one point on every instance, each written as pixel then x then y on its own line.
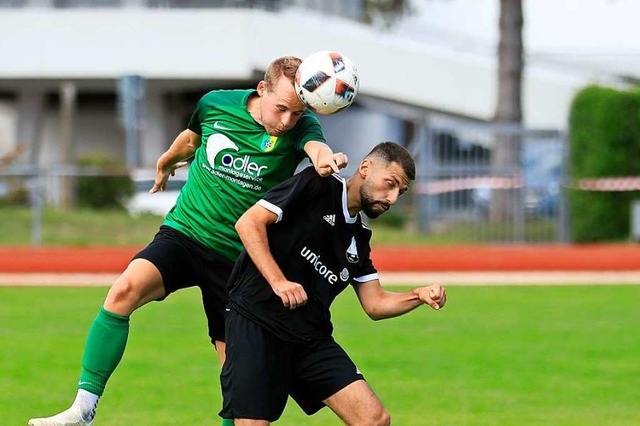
pixel 364 168
pixel 262 87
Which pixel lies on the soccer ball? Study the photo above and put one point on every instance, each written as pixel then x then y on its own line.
pixel 327 82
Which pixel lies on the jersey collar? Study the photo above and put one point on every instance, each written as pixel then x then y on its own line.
pixel 345 207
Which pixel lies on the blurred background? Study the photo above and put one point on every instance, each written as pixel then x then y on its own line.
pixel 524 121
pixel 523 117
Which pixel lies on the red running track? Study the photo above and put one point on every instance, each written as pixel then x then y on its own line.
pixel 596 257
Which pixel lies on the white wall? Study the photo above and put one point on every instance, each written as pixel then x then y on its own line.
pixel 8 128
pixel 355 131
pixel 55 43
pixel 95 132
pixel 186 45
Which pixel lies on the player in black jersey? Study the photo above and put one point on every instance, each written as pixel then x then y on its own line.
pixel 305 242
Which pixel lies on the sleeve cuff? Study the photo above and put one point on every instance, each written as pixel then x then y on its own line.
pixel 365 278
pixel 272 208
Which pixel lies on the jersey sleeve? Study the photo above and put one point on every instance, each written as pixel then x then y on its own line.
pixel 367 272
pixel 308 129
pixel 195 122
pixel 298 190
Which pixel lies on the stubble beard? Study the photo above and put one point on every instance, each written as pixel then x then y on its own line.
pixel 368 204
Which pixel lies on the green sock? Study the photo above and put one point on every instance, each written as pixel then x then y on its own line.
pixel 103 350
pixel 227 422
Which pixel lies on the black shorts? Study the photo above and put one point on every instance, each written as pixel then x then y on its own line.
pixel 184 262
pixel 261 370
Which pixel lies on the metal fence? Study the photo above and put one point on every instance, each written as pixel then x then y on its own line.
pixel 460 195
pixel 464 196
pixel 40 187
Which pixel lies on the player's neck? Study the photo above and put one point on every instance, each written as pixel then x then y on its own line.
pixel 354 201
pixel 253 108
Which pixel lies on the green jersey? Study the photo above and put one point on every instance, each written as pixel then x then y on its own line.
pixel 237 162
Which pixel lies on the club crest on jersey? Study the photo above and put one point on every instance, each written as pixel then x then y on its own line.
pixel 352 252
pixel 268 143
pixel 344 275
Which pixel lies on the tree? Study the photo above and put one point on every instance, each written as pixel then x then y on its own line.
pixel 510 63
pixel 387 10
pixel 508 114
pixel 506 154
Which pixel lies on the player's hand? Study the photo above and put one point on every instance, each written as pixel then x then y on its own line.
pixel 328 163
pixel 292 294
pixel 163 174
pixel 434 296
pixel 341 160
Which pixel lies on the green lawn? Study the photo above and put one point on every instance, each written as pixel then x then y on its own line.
pixel 112 228
pixel 78 227
pixel 494 356
pixel 117 228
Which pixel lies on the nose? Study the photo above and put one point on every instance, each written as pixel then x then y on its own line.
pixel 393 196
pixel 288 120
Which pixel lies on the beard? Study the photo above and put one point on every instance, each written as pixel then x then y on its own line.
pixel 370 206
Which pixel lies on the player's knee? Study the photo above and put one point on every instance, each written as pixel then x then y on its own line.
pixel 385 418
pixel 380 417
pixel 121 291
pixel 123 297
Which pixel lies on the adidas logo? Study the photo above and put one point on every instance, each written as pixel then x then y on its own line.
pixel 330 218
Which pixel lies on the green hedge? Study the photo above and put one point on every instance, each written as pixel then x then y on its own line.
pixel 110 191
pixel 604 129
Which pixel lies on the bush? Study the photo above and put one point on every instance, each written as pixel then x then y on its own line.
pixel 604 128
pixel 108 191
pixel 390 219
pixel 14 193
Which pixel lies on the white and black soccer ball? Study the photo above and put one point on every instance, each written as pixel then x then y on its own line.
pixel 327 82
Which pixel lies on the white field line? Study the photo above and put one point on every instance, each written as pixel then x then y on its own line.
pixel 512 278
pixel 386 278
pixel 57 280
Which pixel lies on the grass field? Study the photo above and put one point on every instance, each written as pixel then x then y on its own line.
pixel 117 228
pixel 494 356
pixel 113 228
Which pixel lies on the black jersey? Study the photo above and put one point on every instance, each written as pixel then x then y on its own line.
pixel 316 244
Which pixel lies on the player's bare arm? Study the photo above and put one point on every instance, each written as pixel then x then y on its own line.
pixel 182 148
pixel 324 160
pixel 380 304
pixel 252 229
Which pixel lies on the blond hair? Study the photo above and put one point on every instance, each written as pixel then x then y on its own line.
pixel 285 66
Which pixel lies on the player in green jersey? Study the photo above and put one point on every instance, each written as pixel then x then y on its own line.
pixel 243 142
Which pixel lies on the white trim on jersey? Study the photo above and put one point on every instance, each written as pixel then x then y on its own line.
pixel 367 278
pixel 272 208
pixel 345 206
pixel 363 219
